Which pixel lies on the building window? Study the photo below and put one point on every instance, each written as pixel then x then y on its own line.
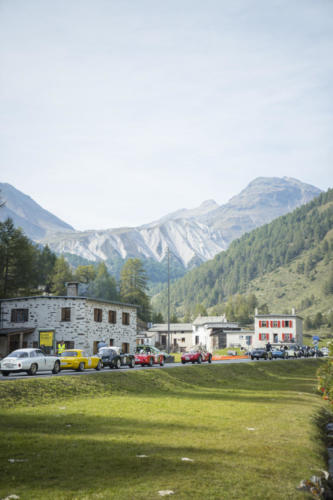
pixel 183 339
pixel 126 318
pixel 19 315
pixel 196 339
pixel 287 323
pixel 125 347
pixel 175 342
pixel 287 337
pixel 113 317
pixel 65 314
pixel 264 324
pixel 98 315
pixel 263 336
pixel 111 341
pixel 163 340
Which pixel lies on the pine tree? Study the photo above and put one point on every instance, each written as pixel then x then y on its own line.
pixel 133 287
pixel 61 274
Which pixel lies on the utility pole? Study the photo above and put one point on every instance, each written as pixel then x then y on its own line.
pixel 168 300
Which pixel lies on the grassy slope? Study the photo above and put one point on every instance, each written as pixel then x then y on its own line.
pixel 284 288
pixel 79 437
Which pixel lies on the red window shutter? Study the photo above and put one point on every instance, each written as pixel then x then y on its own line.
pixel 291 336
pixel 279 324
pixel 283 324
pixel 271 324
pixel 290 324
pixel 267 336
pixel 259 323
pixel 283 337
pixel 260 335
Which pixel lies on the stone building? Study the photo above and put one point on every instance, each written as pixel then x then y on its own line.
pixel 80 322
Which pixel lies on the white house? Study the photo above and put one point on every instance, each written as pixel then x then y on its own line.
pixel 181 337
pixel 78 321
pixel 242 338
pixel 211 332
pixel 277 329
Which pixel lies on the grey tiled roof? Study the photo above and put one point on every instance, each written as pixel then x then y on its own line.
pixel 174 327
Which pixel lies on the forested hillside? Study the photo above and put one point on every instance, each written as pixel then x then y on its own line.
pixel 304 238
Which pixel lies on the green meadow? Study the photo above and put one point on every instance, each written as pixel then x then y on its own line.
pixel 248 431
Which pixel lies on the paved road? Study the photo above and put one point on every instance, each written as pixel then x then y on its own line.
pixel 71 373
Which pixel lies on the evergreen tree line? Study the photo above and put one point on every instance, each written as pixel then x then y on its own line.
pixel 256 253
pixel 29 269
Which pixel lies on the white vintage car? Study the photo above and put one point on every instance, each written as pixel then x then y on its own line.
pixel 30 361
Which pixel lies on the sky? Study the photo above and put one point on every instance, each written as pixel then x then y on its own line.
pixel 117 112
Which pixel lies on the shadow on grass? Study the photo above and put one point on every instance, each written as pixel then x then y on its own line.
pixel 47 458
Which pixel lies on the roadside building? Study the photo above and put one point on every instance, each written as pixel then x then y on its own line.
pixel 242 339
pixel 180 336
pixel 81 322
pixel 211 332
pixel 277 329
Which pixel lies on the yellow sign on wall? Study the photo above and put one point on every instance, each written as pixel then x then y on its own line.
pixel 46 338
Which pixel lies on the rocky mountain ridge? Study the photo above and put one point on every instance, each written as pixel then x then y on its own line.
pixel 192 235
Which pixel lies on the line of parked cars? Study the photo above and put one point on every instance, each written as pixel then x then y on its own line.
pixel 32 360
pixel 288 351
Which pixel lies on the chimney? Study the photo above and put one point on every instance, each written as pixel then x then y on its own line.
pixel 72 289
pixel 293 311
pixel 256 311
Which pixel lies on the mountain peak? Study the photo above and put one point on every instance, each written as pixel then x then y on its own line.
pixel 209 204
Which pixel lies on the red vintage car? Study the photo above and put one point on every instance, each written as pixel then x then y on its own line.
pixel 149 359
pixel 196 356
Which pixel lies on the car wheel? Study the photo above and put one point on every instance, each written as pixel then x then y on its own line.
pixel 56 368
pixel 132 363
pixel 151 362
pixel 257 358
pixel 99 366
pixel 252 357
pixel 5 374
pixel 33 369
pixel 209 359
pixel 118 364
pixel 162 361
pixel 183 362
pixel 81 367
pixel 199 360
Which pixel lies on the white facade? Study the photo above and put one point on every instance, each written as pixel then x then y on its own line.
pixel 277 329
pixel 242 339
pixel 180 336
pixel 208 329
pixel 72 319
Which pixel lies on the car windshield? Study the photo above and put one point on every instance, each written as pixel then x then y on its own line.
pixel 18 354
pixel 67 354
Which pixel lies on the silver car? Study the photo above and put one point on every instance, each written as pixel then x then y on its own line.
pixel 30 361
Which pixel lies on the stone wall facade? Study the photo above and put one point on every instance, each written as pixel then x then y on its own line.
pixel 45 313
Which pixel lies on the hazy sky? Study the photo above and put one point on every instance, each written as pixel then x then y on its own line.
pixel 116 112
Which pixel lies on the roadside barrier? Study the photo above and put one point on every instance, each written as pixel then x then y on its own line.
pixel 221 358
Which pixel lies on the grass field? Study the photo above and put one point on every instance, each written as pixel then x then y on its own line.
pixel 249 429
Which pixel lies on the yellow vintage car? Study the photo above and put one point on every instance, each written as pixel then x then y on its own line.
pixel 77 359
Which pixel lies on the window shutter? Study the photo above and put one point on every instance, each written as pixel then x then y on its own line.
pixel 283 324
pixel 260 334
pixel 279 324
pixel 259 323
pixel 291 336
pixel 267 336
pixel 283 337
pixel 290 324
pixel 271 324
